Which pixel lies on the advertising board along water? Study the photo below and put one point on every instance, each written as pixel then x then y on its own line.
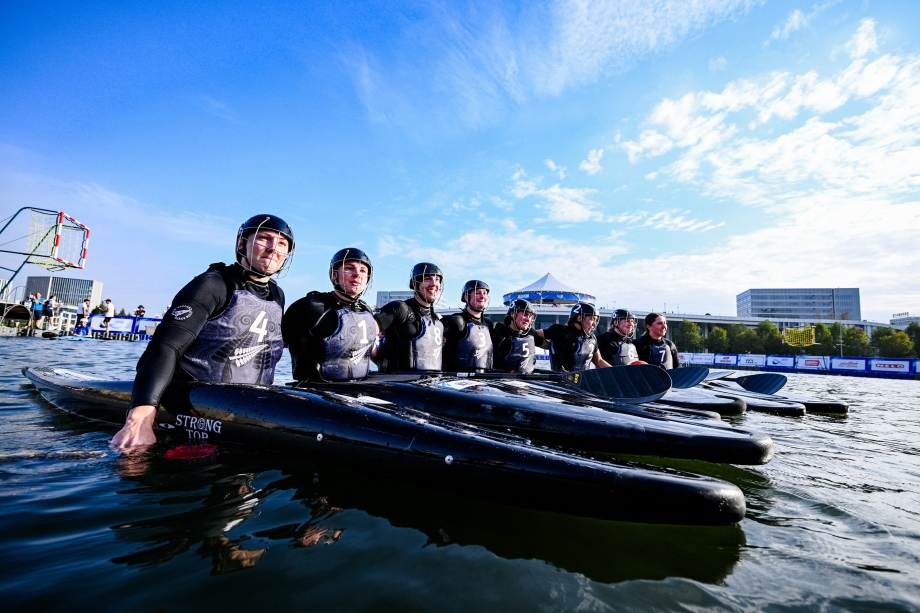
pixel 890 366
pixel 725 359
pixel 850 364
pixel 811 362
pixel 702 358
pixel 752 360
pixel 781 361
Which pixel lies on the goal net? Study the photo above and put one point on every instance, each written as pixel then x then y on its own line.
pixel 56 240
pixel 799 337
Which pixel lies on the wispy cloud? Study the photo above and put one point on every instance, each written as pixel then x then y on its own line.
pixel 470 61
pixel 671 220
pixel 592 165
pixel 559 171
pixel 216 108
pixel 796 20
pixel 563 204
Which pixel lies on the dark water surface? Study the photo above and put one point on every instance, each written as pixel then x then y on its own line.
pixel 833 521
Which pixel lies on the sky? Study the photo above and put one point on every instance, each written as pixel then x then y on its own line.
pixel 658 154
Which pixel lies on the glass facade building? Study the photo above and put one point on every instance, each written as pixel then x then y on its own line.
pixel 69 292
pixel 807 303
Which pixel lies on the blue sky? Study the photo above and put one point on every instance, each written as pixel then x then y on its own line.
pixel 653 153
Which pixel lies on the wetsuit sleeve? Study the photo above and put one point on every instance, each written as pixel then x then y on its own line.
pixel 195 303
pixel 454 327
pixel 391 315
pixel 300 332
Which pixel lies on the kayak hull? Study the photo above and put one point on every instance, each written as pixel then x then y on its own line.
pixel 388 439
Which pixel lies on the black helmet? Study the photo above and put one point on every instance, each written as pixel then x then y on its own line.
pixel 521 305
pixel 265 222
pixel 472 286
pixel 350 254
pixel 583 308
pixel 422 270
pixel 623 314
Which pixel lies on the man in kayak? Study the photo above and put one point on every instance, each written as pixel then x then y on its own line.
pixel 467 334
pixel 224 326
pixel 332 335
pixel 513 340
pixel 573 346
pixel 616 344
pixel 413 334
pixel 653 347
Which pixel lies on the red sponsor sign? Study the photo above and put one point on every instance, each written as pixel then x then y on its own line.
pixel 812 362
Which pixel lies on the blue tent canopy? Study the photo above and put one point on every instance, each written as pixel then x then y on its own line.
pixel 548 290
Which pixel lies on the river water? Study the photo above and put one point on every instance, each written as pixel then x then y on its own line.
pixel 833 522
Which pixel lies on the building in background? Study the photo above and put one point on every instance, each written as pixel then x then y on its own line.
pixel 387 297
pixel 902 320
pixel 807 303
pixel 70 292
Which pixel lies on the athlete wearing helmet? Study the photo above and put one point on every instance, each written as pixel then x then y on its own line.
pixel 467 334
pixel 573 346
pixel 413 334
pixel 514 340
pixel 653 347
pixel 224 326
pixel 332 335
pixel 616 344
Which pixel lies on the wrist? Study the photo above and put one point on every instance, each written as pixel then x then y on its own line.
pixel 141 415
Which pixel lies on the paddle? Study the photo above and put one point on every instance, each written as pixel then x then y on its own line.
pixel 683 378
pixel 632 384
pixel 718 374
pixel 762 383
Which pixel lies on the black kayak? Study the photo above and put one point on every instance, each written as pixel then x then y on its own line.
pixel 375 435
pixel 753 401
pixel 745 388
pixel 557 414
pixel 702 399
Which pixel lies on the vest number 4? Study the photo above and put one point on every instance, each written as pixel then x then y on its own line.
pixel 262 329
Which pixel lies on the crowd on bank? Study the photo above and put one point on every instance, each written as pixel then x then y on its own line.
pixel 229 325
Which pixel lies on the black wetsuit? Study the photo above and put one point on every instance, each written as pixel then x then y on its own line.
pixel 616 349
pixel 660 353
pixel 413 337
pixel 468 346
pixel 570 348
pixel 513 351
pixel 330 339
pixel 178 352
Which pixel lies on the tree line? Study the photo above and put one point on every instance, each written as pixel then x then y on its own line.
pixel 766 338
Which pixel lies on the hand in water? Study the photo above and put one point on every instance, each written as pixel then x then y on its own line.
pixel 137 431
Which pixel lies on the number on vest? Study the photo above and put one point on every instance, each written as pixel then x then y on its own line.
pixel 363 325
pixel 261 331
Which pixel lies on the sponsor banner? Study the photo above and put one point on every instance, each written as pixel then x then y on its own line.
pixel 917 367
pixel 888 365
pixel 702 358
pixel 146 325
pixel 781 361
pixel 120 323
pixel 684 358
pixel 725 359
pixel 811 362
pixel 848 364
pixel 752 360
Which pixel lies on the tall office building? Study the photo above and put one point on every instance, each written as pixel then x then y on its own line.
pixel 808 303
pixel 69 292
pixel 387 297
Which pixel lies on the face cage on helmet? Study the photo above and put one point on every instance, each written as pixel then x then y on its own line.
pixel 615 324
pixel 339 288
pixel 465 297
pixel 418 279
pixel 288 259
pixel 514 311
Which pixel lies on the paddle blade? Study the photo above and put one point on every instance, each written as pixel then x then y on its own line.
pixel 762 383
pixel 718 374
pixel 682 378
pixel 632 384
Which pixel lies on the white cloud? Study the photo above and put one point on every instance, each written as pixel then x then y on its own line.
pixel 592 165
pixel 864 40
pixel 671 220
pixel 558 170
pixel 717 64
pixel 796 21
pixel 650 143
pixel 469 62
pixel 840 190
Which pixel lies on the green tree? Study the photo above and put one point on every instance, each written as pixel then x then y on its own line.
pixel 99 309
pixel 770 338
pixel 122 311
pixel 856 342
pixel 747 341
pixel 825 340
pixel 717 341
pixel 877 335
pixel 895 345
pixel 913 331
pixel 688 337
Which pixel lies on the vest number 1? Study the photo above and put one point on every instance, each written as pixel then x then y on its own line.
pixel 363 325
pixel 256 329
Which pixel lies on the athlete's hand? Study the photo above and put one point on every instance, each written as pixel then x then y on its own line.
pixel 137 431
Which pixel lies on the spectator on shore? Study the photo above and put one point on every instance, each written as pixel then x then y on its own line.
pixel 38 310
pixel 139 312
pixel 50 307
pixel 83 310
pixel 109 314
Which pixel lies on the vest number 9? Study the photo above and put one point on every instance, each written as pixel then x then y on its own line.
pixel 262 330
